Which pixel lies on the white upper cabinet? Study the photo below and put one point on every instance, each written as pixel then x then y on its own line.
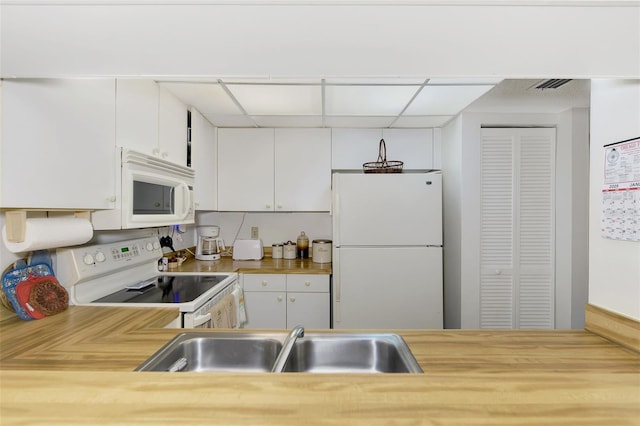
pixel 245 169
pixel 57 146
pixel 151 119
pixel 351 148
pixel 137 114
pixel 204 158
pixel 274 170
pixel 172 125
pixel 302 169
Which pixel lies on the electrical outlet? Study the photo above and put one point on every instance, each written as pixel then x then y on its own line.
pixel 254 232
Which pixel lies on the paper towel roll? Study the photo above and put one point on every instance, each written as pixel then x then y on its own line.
pixel 46 233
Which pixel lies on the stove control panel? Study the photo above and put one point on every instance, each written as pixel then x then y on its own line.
pixel 78 264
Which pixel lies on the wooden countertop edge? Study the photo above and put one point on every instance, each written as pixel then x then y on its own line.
pixel 612 326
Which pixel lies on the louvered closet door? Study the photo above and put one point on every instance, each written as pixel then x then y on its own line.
pixel 517 228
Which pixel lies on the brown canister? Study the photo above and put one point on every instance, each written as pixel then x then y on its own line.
pixel 321 251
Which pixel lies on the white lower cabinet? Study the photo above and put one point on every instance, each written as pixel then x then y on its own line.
pixel 286 300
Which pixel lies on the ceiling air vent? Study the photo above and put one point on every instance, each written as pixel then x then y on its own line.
pixel 552 83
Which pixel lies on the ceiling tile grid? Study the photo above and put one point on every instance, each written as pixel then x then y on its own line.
pixel 331 102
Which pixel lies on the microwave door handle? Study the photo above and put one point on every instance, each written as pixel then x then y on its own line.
pixel 186 197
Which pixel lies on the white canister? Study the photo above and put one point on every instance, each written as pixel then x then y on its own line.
pixel 289 250
pixel 321 251
pixel 276 251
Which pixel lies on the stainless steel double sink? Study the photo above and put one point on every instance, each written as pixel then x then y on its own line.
pixel 258 352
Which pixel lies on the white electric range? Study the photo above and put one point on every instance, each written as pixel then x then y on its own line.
pixel 126 274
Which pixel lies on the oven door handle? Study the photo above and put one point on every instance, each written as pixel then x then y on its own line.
pixel 202 319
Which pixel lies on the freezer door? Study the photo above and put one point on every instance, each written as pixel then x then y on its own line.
pixel 387 209
pixel 387 288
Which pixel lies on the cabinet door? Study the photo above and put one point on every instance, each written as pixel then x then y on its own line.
pixel 204 157
pixel 137 114
pixel 245 169
pixel 172 135
pixel 265 309
pixel 58 143
pixel 310 310
pixel 302 169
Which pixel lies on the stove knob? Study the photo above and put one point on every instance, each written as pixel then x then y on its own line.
pixel 88 259
pixel 100 257
pixel 156 245
pixel 149 246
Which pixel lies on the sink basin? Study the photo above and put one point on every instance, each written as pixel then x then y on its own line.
pixel 257 352
pixel 221 352
pixel 352 353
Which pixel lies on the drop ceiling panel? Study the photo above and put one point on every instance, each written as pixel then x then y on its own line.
pixel 367 100
pixel 464 81
pixel 445 100
pixel 288 120
pixel 360 121
pixel 260 99
pixel 207 98
pixel 415 81
pixel 412 121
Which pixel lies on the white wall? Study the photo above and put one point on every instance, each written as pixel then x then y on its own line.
pixel 461 140
pixel 506 39
pixel 614 266
pixel 272 227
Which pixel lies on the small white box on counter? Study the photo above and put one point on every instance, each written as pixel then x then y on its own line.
pixel 248 250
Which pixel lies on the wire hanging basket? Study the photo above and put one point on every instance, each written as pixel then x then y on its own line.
pixel 382 165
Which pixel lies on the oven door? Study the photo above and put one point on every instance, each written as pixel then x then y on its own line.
pixel 205 316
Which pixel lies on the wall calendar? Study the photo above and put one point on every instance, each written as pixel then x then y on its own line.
pixel 621 191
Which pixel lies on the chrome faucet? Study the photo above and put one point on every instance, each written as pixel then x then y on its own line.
pixel 285 352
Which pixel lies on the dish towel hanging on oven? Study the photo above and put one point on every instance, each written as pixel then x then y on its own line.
pixel 219 315
pixel 230 311
pixel 241 313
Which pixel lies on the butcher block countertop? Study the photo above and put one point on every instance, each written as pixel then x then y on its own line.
pixel 265 266
pixel 76 368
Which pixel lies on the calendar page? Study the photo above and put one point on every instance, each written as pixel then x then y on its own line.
pixel 621 191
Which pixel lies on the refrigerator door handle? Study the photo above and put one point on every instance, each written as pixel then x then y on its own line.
pixel 336 286
pixel 335 206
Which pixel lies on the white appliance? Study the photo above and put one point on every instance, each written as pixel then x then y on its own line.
pixel 126 274
pixel 248 250
pixel 150 192
pixel 209 246
pixel 387 250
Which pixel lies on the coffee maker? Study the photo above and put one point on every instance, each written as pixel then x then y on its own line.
pixel 209 246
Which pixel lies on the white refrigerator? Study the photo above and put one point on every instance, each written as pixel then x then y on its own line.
pixel 387 251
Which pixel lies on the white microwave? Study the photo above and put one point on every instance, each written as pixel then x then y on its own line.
pixel 150 192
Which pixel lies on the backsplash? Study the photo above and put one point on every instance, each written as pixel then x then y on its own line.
pixel 272 227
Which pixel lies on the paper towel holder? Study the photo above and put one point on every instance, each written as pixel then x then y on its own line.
pixel 16 223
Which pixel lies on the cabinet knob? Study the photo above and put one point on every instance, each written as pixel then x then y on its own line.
pixel 165 154
pixel 264 283
pixel 267 206
pixel 292 299
pixel 307 283
pixel 156 151
pixel 111 198
pixel 279 206
pixel 279 298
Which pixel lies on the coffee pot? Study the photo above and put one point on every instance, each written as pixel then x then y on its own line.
pixel 209 246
